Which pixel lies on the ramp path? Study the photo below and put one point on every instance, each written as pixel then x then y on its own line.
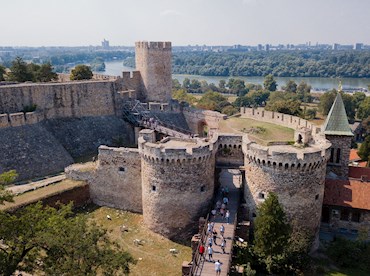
pixel 232 179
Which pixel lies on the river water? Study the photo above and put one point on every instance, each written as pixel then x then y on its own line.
pixel 115 68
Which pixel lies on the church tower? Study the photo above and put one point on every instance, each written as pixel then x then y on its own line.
pixel 337 131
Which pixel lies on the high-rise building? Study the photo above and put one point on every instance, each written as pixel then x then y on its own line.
pixel 105 44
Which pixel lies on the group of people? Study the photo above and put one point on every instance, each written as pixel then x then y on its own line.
pixel 221 206
pixel 151 122
pixel 212 240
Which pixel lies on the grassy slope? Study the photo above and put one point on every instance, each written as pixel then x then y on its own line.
pixel 156 258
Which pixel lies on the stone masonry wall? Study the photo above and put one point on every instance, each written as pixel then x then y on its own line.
pixel 117 179
pixel 32 151
pixel 229 150
pixel 296 175
pixel 343 143
pixel 177 187
pixel 82 136
pixel 153 60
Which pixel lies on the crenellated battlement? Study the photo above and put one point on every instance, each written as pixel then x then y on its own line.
pixel 176 150
pixel 165 45
pixel 287 157
pixel 282 119
pixel 19 119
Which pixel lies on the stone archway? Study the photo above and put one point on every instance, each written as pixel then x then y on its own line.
pixel 203 129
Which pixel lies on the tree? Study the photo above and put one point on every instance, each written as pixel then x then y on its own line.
pixel 358 98
pixel 45 73
pixel 364 151
pixel 182 96
pixel 364 109
pixel 176 84
pixel 326 101
pixel 81 72
pixel 51 240
pixel 19 71
pixel 222 84
pixel 186 83
pixel 2 73
pixel 211 101
pixel 272 233
pixel 284 102
pixel 6 178
pixel 303 91
pixel 290 86
pixel 269 83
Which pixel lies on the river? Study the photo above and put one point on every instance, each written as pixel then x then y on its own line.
pixel 115 68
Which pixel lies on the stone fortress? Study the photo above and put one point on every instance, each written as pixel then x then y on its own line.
pixel 171 175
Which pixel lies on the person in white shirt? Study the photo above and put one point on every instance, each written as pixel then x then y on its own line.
pixel 210 252
pixel 218 267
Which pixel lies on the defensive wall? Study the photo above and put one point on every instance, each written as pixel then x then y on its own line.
pixel 177 183
pixel 229 152
pixel 116 181
pixel 277 118
pixel 200 120
pixel 295 174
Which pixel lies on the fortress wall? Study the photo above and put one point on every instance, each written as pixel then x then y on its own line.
pixel 277 118
pixel 19 119
pixel 229 150
pixel 178 186
pixel 56 100
pixel 117 180
pixel 197 119
pixel 296 177
pixel 32 151
pixel 82 136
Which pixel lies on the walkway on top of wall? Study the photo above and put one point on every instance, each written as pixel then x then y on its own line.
pixel 232 179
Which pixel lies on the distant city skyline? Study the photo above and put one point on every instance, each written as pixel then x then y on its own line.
pixel 210 22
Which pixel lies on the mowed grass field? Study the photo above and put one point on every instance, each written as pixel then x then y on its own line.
pixel 153 256
pixel 270 132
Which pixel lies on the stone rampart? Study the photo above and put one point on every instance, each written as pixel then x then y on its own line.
pixel 19 119
pixel 198 120
pixel 290 121
pixel 177 182
pixel 117 179
pixel 229 151
pixel 32 151
pixel 295 174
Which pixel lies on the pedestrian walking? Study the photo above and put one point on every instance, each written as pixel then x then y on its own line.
pixel 218 267
pixel 209 228
pixel 227 216
pixel 223 245
pixel 210 252
pixel 201 251
pixel 225 200
pixel 222 230
pixel 214 237
pixel 210 241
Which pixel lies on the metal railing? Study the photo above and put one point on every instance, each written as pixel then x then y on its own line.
pixel 196 258
pixel 136 114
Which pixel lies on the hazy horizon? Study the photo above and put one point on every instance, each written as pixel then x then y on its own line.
pixel 212 22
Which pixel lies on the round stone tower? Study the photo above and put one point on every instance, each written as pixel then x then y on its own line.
pixel 177 183
pixel 153 60
pixel 295 174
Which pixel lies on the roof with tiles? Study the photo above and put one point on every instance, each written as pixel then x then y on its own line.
pixel 347 193
pixel 337 122
pixel 359 173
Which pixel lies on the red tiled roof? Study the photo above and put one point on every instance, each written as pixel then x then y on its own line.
pixel 353 156
pixel 359 173
pixel 347 193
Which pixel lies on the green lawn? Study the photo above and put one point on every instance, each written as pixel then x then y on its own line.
pixel 260 132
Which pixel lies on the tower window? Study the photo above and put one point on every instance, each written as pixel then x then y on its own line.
pixel 121 169
pixel 261 195
pixel 202 189
pixel 317 197
pixel 154 188
pixel 344 215
pixel 355 216
pixel 338 156
pixel 331 160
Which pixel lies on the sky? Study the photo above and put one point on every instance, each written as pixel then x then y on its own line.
pixel 184 22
